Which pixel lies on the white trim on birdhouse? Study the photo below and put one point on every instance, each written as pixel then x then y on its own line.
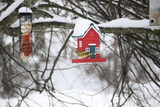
pixel 80 43
pixel 91 44
pixel 87 49
pixel 97 50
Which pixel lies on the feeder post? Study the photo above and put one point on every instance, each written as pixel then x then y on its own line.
pixel 154 13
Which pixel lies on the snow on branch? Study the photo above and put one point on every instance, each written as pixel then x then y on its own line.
pixel 126 23
pixel 118 26
pixel 10 9
pixel 128 26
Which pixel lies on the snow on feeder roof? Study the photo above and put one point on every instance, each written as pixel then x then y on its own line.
pixel 25 10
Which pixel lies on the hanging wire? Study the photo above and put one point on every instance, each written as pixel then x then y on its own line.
pixel 87 8
pixel 26 4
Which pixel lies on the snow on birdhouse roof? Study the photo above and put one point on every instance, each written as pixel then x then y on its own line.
pixel 82 26
pixel 25 10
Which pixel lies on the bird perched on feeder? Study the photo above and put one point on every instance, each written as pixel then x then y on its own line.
pixel 83 54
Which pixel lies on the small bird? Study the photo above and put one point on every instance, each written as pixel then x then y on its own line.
pixel 83 54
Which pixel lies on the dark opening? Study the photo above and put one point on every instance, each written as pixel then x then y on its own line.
pixel 152 21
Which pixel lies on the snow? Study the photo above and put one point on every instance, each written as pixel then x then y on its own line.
pixel 71 82
pixel 39 3
pixel 126 23
pixel 60 2
pixel 25 10
pixel 76 88
pixel 10 9
pixel 81 26
pixel 2 6
pixel 56 18
pixel 15 24
pixel 73 85
pixel 7 39
pixel 44 100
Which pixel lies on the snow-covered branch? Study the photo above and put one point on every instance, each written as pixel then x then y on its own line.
pixel 118 26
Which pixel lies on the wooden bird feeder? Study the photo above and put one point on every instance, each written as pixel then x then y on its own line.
pixel 90 42
pixel 25 21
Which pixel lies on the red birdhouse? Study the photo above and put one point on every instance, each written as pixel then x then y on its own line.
pixel 89 42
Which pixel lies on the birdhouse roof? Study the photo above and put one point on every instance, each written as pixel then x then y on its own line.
pixel 91 26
